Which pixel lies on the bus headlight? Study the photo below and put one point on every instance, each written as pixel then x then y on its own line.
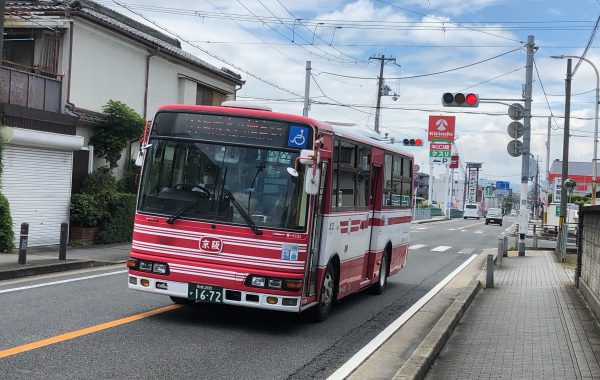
pixel 145 266
pixel 258 281
pixel 160 268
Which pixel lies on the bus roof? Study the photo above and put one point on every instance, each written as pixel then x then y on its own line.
pixel 357 133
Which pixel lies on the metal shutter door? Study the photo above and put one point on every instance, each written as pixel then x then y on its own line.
pixel 37 183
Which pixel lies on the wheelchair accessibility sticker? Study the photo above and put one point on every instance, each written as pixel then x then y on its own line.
pixel 297 137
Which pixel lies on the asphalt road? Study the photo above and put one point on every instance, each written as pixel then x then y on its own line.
pixel 209 341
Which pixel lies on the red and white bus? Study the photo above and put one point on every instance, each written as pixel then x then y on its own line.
pixel 268 210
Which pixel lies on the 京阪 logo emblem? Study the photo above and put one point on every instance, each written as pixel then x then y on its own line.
pixel 441 125
pixel 211 244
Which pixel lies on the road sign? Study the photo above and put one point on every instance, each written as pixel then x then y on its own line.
pixel 441 128
pixel 489 190
pixel 515 130
pixel 516 111
pixel 515 148
pixel 416 168
pixel 502 185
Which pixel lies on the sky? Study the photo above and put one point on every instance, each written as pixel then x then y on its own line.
pixel 269 41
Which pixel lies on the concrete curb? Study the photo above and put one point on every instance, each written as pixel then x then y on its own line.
pixel 52 268
pixel 418 364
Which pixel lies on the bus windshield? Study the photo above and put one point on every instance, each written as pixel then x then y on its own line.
pixel 223 183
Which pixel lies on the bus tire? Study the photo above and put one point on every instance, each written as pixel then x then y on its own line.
pixel 182 301
pixel 379 286
pixel 321 310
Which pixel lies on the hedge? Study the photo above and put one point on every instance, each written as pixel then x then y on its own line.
pixel 6 233
pixel 118 226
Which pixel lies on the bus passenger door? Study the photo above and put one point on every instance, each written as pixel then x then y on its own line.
pixel 314 245
pixel 376 191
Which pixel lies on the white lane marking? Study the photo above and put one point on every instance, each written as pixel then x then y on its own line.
pixel 417 246
pixel 451 229
pixel 366 351
pixel 478 232
pixel 61 281
pixel 466 251
pixel 441 248
pixel 463 230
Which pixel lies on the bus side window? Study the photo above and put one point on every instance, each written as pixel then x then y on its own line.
pixel 334 175
pixel 387 181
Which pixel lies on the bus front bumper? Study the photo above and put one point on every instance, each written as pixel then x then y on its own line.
pixel 228 296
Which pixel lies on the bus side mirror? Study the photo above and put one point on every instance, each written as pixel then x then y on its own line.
pixel 311 180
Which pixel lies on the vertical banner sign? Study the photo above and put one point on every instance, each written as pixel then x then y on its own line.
pixel 556 187
pixel 441 129
pixel 473 179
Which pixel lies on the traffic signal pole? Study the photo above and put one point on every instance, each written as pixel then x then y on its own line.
pixel 524 210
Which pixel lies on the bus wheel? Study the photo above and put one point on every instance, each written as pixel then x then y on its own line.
pixel 379 286
pixel 182 301
pixel 320 312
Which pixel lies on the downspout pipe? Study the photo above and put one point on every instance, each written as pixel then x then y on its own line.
pixel 68 103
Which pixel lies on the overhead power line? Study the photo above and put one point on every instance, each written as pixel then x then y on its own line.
pixel 545 96
pixel 423 75
pixel 587 46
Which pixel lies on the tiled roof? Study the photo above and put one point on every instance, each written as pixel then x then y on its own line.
pixel 575 168
pixel 115 20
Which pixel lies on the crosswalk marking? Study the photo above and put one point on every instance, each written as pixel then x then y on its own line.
pixel 417 246
pixel 478 232
pixel 441 248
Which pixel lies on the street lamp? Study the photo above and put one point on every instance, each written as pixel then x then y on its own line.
pixel 595 160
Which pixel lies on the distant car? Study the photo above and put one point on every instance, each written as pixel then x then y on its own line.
pixel 472 210
pixel 494 215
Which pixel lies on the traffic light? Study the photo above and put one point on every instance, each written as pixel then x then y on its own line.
pixel 413 142
pixel 460 99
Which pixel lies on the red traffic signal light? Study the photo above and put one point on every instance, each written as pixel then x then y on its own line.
pixel 460 99
pixel 413 142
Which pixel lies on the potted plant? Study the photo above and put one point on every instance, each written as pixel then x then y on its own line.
pixel 85 215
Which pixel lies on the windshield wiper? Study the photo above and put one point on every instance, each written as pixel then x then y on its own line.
pixel 243 212
pixel 176 216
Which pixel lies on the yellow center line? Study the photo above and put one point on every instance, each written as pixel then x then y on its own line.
pixel 471 225
pixel 85 331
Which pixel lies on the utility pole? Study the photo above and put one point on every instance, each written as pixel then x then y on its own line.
pixel 306 90
pixel 2 7
pixel 382 60
pixel 548 148
pixel 565 162
pixel 536 203
pixel 524 210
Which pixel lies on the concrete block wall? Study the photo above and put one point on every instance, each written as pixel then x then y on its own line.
pixel 589 281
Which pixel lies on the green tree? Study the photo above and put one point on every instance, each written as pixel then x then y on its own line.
pixel 122 124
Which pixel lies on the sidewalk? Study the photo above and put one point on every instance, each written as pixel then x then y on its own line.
pixel 532 325
pixel 43 260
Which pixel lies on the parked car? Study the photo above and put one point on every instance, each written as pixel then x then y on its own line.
pixel 494 215
pixel 472 210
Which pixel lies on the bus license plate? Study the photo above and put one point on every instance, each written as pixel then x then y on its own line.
pixel 205 293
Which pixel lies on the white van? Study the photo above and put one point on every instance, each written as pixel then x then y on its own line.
pixel 472 210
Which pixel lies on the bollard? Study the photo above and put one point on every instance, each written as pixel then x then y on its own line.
pixel 522 245
pixel 23 243
pixel 489 276
pixel 505 253
pixel 62 250
pixel 500 252
pixel 517 241
pixel 535 238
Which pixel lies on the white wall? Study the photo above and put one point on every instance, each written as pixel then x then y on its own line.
pixel 107 65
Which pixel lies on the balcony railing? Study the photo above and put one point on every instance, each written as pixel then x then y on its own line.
pixel 30 90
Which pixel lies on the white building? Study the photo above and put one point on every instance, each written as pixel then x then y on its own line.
pixel 63 62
